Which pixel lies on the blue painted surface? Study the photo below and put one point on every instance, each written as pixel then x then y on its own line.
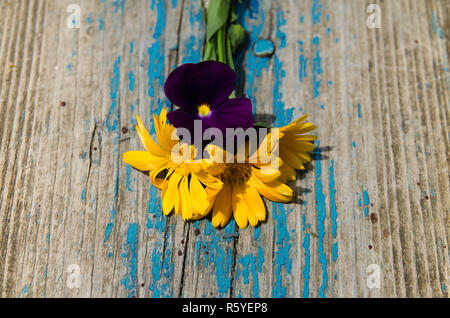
pixel 253 19
pixel 316 11
pixel 333 211
pixel 109 227
pixel 317 69
pixel 263 48
pixel 434 22
pixel 303 63
pixel 282 259
pixel 321 216
pixel 130 259
pixel 366 202
pixel 245 266
pixel 307 253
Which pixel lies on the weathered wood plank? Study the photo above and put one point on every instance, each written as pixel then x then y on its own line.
pixel 377 191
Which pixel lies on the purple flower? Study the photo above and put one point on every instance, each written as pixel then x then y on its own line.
pixel 202 92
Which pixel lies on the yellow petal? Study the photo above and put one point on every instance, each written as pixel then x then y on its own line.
pixel 170 197
pixel 140 160
pixel 239 207
pixel 222 207
pixel 287 172
pixel 156 178
pixel 251 203
pixel 198 193
pixel 186 202
pixel 304 157
pixel 305 127
pixel 254 201
pixel 149 144
pixel 291 158
pixel 266 175
pixel 305 137
pixel 160 133
pixel 294 124
pixel 297 145
pixel 274 191
pixel 208 180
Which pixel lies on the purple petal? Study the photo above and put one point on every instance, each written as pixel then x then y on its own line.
pixel 233 113
pixel 190 85
pixel 182 118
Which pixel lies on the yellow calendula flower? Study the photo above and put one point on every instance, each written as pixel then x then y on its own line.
pixel 294 147
pixel 188 186
pixel 244 183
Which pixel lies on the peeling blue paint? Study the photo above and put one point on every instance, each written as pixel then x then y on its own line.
pixel 101 23
pixel 248 264
pixel 306 268
pixel 434 22
pixel 281 232
pixel 316 11
pixel 317 69
pixel 321 216
pixel 333 211
pixel 263 48
pixel 119 4
pixel 114 90
pixel 221 255
pixel 335 251
pixel 109 227
pixel 129 179
pixel 156 52
pixel 254 65
pixel 303 63
pixel 130 255
pixel 366 202
pixel 193 50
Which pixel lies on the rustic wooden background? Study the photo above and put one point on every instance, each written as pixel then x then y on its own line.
pixel 377 191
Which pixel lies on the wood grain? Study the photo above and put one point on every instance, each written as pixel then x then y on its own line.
pixel 377 191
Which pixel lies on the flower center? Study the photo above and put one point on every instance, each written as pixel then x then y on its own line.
pixel 236 173
pixel 203 110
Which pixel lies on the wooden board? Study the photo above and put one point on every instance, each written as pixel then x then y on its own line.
pixel 377 191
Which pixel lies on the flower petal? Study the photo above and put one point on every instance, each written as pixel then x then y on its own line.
pixel 274 191
pixel 233 113
pixel 222 207
pixel 254 200
pixel 200 203
pixel 170 197
pixel 209 82
pixel 252 203
pixel 239 207
pixel 140 160
pixel 186 202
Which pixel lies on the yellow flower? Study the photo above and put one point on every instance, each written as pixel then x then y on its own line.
pixel 244 183
pixel 294 147
pixel 189 186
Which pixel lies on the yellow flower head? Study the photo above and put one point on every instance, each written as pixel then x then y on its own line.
pixel 244 183
pixel 195 187
pixel 188 186
pixel 294 146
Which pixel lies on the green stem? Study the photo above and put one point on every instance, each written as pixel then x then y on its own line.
pixel 220 45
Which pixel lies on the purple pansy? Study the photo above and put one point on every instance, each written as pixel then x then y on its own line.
pixel 202 92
